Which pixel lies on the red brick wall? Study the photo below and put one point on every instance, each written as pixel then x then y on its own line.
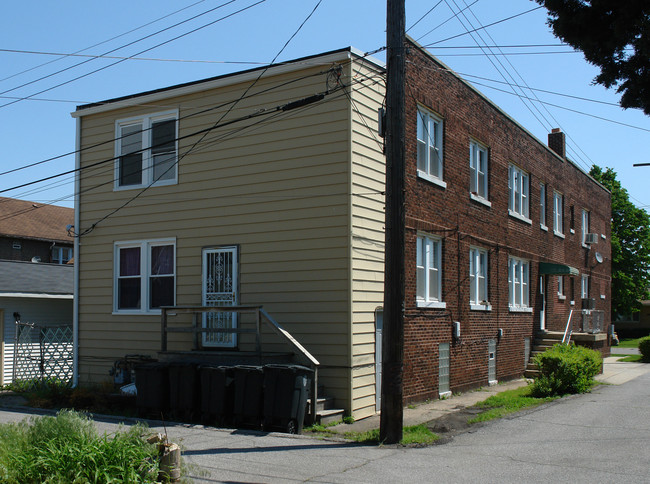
pixel 460 222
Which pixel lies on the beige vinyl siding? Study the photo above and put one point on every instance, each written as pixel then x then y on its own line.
pixel 277 190
pixel 367 240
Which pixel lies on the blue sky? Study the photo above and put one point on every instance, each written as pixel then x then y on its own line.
pixel 40 128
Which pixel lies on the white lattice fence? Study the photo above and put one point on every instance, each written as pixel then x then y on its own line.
pixel 43 352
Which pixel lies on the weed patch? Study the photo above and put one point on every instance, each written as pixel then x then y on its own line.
pixel 416 434
pixel 507 402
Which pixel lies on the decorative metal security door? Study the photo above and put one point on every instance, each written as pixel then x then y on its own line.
pixel 220 281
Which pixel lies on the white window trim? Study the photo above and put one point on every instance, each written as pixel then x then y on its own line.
pixel 542 207
pixel 511 285
pixel 481 200
pixel 147 163
pixel 523 196
pixel 474 253
pixel 584 286
pixel 423 115
pixel 426 302
pixel 145 269
pixel 474 149
pixel 558 214
pixel 560 288
pixel 585 226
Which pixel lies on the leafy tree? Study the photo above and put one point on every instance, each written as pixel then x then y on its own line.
pixel 614 35
pixel 630 246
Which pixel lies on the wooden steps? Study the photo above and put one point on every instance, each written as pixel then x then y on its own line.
pixel 325 411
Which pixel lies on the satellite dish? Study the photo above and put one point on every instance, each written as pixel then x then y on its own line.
pixel 599 257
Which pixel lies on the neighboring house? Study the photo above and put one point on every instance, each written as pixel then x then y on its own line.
pixel 634 325
pixel 41 293
pixel 36 231
pixel 287 211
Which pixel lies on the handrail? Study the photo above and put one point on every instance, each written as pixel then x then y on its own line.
pixel 567 333
pixel 260 313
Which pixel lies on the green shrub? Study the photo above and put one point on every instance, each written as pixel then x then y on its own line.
pixel 67 448
pixel 566 369
pixel 644 348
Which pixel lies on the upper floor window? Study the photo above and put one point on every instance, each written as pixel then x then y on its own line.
pixel 585 227
pixel 518 277
pixel 145 275
pixel 478 278
pixel 518 187
pixel 429 146
pixel 61 255
pixel 542 206
pixel 146 151
pixel 478 170
pixel 558 210
pixel 584 286
pixel 560 287
pixel 429 273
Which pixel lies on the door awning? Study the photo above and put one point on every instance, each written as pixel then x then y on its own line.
pixel 557 269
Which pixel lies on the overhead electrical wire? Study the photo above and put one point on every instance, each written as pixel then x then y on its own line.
pixel 425 15
pixel 258 2
pixel 63 56
pixel 441 24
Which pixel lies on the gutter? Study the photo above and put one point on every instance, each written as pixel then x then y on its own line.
pixel 75 303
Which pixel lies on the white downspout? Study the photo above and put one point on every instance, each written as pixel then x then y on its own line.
pixel 76 229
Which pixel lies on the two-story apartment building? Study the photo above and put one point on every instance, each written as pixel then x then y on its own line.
pixel 266 187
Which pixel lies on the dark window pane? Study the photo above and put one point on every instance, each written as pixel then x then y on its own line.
pixel 130 261
pixel 161 291
pixel 163 136
pixel 162 260
pixel 131 169
pixel 128 294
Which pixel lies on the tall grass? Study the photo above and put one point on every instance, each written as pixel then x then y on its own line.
pixel 68 449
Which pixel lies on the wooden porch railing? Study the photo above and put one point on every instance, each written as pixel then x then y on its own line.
pixel 260 315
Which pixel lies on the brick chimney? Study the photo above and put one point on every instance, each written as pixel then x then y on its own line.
pixel 557 141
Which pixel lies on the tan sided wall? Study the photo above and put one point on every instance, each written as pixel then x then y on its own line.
pixel 279 190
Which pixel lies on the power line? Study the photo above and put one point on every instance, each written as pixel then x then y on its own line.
pixel 442 23
pixel 423 16
pixel 99 43
pixel 138 53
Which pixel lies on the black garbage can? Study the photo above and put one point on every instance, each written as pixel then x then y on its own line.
pixel 183 390
pixel 217 395
pixel 152 384
pixel 285 397
pixel 247 409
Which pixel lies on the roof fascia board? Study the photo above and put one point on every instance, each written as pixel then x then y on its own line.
pixel 35 295
pixel 495 106
pixel 215 83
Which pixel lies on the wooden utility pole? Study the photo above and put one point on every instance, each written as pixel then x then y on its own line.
pixel 392 410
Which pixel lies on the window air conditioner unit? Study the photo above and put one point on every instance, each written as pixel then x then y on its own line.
pixel 591 239
pixel 589 303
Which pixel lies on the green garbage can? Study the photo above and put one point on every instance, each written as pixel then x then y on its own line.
pixel 217 395
pixel 247 409
pixel 285 397
pixel 152 385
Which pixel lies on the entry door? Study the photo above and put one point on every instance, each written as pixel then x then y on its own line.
pixel 379 327
pixel 542 292
pixel 220 279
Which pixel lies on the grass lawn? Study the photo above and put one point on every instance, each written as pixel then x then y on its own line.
pixel 507 402
pixel 629 343
pixel 416 434
pixel 630 358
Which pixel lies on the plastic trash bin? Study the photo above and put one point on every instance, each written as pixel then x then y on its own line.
pixel 285 397
pixel 247 409
pixel 217 394
pixel 152 383
pixel 183 390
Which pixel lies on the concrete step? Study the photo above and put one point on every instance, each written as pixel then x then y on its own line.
pixel 531 373
pixel 323 403
pixel 325 417
pixel 532 366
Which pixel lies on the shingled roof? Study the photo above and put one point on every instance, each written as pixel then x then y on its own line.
pixel 36 279
pixel 30 220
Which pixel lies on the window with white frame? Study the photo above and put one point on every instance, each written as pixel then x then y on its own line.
pixel 478 278
pixel 146 151
pixel 560 287
pixel 145 275
pixel 518 277
pixel 542 206
pixel 428 269
pixel 584 287
pixel 61 255
pixel 429 153
pixel 518 200
pixel 585 226
pixel 478 170
pixel 558 210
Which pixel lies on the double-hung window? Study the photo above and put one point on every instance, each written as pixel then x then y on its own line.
pixel 429 152
pixel 584 286
pixel 560 287
pixel 518 277
pixel 146 151
pixel 61 255
pixel 558 211
pixel 145 276
pixel 478 170
pixel 585 227
pixel 542 206
pixel 428 272
pixel 478 278
pixel 518 187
